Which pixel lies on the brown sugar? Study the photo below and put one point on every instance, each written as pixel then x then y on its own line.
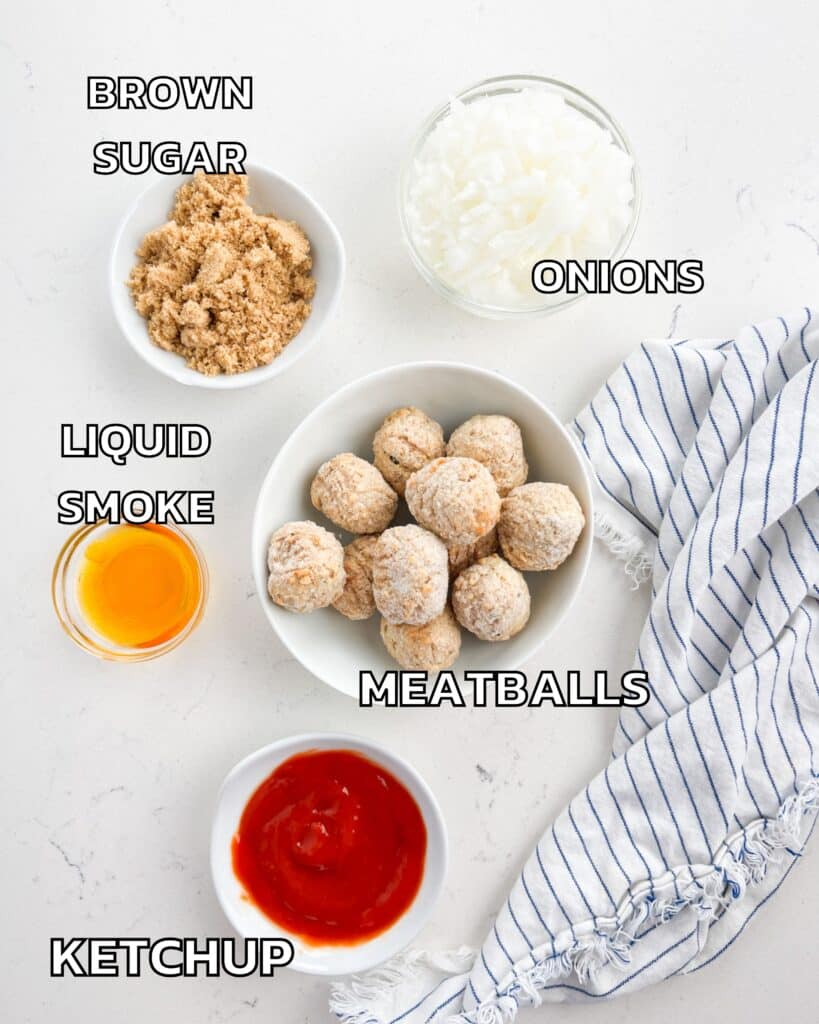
pixel 220 285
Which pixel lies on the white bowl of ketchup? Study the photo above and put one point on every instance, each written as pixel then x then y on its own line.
pixel 332 842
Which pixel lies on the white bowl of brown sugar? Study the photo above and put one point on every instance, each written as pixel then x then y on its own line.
pixel 224 281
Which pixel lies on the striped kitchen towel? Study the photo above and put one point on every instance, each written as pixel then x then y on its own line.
pixel 707 457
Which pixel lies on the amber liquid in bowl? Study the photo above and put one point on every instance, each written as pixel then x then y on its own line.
pixel 129 592
pixel 139 586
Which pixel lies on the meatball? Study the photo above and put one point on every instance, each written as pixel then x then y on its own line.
pixel 495 442
pixel 431 647
pixel 491 599
pixel 410 575
pixel 455 498
pixel 539 526
pixel 353 494
pixel 306 567
pixel 406 441
pixel 356 600
pixel 461 556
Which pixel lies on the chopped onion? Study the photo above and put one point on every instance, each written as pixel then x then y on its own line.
pixel 506 180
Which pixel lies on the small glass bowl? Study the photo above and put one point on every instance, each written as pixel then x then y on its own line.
pixel 501 86
pixel 64 581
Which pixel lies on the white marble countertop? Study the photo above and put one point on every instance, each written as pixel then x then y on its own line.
pixel 110 771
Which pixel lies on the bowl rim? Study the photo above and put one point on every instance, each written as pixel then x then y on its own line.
pixel 493 85
pixel 270 609
pixel 434 821
pixel 223 381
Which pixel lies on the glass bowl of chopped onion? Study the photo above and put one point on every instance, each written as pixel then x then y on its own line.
pixel 511 172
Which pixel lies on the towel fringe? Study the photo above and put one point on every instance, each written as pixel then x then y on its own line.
pixel 363 1000
pixel 747 857
pixel 707 895
pixel 627 548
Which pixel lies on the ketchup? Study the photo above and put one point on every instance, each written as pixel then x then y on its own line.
pixel 331 847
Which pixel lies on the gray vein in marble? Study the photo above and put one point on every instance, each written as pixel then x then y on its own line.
pixel 75 865
pixel 483 773
pixel 804 231
pixel 672 327
pixel 98 797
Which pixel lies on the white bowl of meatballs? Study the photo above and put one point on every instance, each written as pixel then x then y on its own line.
pixel 428 516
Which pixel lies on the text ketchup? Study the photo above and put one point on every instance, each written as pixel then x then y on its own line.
pixel 331 847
